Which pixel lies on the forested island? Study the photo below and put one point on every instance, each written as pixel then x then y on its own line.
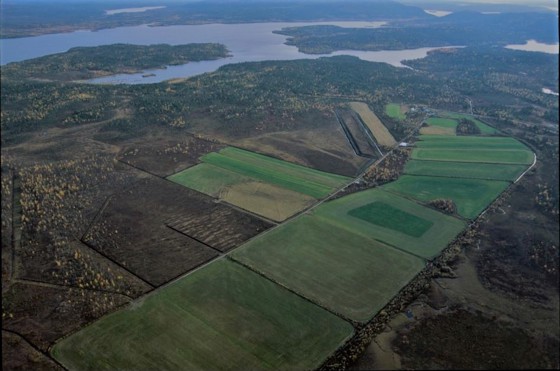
pixel 82 63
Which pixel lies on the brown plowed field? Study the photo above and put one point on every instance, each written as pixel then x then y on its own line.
pixel 134 229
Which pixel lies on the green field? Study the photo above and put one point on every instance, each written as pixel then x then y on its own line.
pixel 431 241
pixel 444 123
pixel 294 177
pixel 470 195
pixel 386 216
pixel 208 179
pixel 333 266
pixel 393 110
pixel 464 170
pixel 220 317
pixel 469 142
pixel 484 129
pixel 471 155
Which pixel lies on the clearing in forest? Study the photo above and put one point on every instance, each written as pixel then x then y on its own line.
pixel 379 131
pixel 395 111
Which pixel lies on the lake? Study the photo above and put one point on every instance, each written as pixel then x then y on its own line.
pixel 247 42
pixel 535 46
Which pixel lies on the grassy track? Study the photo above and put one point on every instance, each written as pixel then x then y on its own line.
pixel 394 111
pixel 444 228
pixel 464 170
pixel 470 155
pixel 470 195
pixel 221 317
pixel 343 271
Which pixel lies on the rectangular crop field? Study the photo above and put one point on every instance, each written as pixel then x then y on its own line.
pixel 505 156
pixel 383 216
pixel 341 270
pixel 221 317
pixel 379 131
pixel 469 142
pixel 294 177
pixel 464 170
pixel 395 111
pixel 471 196
pixel 266 199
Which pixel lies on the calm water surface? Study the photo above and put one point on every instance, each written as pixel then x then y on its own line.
pixel 249 42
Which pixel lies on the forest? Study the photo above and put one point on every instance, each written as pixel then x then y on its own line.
pixel 83 63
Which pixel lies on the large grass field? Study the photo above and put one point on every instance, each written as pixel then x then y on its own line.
pixel 464 170
pixel 221 317
pixel 430 232
pixel 470 195
pixel 469 142
pixel 342 270
pixel 297 178
pixel 394 111
pixel 506 156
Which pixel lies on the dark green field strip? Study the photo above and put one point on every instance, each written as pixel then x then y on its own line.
pixel 221 317
pixel 471 155
pixel 258 160
pixel 339 269
pixel 431 241
pixel 261 172
pixel 464 170
pixel 469 142
pixel 471 196
pixel 387 216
